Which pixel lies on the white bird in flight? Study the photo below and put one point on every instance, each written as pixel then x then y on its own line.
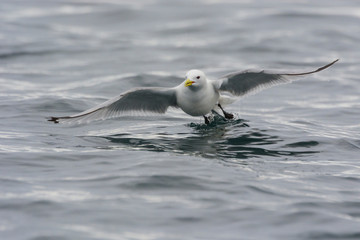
pixel 196 96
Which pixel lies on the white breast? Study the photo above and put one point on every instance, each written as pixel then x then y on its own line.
pixel 197 102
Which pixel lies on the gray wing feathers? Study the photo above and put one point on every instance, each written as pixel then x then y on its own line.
pixel 151 99
pixel 251 81
pixel 156 100
pixel 247 82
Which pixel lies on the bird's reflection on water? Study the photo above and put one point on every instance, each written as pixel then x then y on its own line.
pixel 225 140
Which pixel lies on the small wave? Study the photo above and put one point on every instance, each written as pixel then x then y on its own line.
pixel 332 236
pixel 34 12
pixel 229 141
pixel 15 54
pixel 219 121
pixel 168 182
pixel 302 144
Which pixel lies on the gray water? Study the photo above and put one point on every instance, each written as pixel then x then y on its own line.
pixel 287 167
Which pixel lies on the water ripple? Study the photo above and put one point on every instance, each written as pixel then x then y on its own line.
pixel 221 139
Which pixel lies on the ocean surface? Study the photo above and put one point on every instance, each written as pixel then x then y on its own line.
pixel 287 167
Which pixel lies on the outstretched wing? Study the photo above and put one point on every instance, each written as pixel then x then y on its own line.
pixel 156 100
pixel 252 81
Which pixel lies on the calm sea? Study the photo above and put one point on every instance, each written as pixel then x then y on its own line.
pixel 288 166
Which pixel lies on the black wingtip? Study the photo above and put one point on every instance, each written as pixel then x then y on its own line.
pixel 54 119
pixel 315 71
pixel 328 65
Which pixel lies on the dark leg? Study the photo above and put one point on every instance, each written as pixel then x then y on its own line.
pixel 207 122
pixel 226 114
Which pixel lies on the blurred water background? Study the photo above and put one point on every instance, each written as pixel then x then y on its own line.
pixel 286 168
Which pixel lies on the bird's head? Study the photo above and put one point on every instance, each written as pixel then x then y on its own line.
pixel 195 78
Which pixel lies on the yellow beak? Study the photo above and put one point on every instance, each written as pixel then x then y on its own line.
pixel 188 82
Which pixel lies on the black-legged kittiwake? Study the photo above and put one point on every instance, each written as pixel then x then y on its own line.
pixel 196 96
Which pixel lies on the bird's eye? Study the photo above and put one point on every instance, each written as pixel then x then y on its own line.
pixel 198 77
